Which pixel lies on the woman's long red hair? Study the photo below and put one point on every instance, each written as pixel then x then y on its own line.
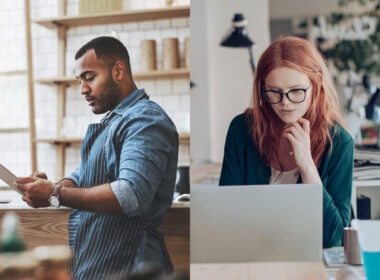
pixel 298 54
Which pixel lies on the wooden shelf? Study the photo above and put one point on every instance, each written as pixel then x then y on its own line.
pixel 163 74
pixel 158 74
pixel 57 80
pixel 14 130
pixel 115 17
pixel 13 72
pixel 59 141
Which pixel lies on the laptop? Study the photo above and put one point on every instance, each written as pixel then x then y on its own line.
pixel 256 223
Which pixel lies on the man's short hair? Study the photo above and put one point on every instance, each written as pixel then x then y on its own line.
pixel 108 49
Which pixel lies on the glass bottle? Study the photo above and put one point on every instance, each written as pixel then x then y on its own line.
pixel 11 240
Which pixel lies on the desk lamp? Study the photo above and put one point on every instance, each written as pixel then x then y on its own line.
pixel 238 37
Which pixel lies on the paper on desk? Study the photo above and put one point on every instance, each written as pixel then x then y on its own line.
pixel 368 234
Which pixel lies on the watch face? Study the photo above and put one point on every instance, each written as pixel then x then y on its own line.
pixel 54 201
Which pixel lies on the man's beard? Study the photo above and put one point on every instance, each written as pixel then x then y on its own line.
pixel 110 97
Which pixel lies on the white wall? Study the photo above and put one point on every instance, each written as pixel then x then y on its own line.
pixel 200 100
pixel 222 75
pixel 14 147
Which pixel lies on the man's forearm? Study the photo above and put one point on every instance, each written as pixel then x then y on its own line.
pixel 95 199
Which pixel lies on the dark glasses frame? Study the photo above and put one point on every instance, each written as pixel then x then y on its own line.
pixel 265 93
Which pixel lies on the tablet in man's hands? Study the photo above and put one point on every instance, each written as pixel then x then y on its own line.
pixel 8 177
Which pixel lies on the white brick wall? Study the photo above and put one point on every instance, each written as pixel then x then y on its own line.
pixel 171 94
pixel 14 151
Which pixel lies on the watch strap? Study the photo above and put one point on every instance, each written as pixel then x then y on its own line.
pixel 57 190
pixel 54 198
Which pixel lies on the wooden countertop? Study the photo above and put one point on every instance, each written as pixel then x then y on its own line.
pixel 260 270
pixel 49 226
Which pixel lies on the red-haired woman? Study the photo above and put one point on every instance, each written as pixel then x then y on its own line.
pixel 293 133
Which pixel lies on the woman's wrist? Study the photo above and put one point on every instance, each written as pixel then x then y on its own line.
pixel 309 174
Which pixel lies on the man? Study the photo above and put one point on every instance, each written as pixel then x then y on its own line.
pixel 125 182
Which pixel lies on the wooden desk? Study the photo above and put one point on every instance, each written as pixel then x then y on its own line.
pixel 48 226
pixel 176 230
pixel 259 270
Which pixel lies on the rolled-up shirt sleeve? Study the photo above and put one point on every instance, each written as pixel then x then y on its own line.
pixel 147 140
pixel 126 197
pixel 74 176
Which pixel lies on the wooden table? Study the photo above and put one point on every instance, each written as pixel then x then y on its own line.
pixel 48 226
pixel 259 270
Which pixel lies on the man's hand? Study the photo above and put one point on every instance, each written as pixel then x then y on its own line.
pixel 35 191
pixel 41 175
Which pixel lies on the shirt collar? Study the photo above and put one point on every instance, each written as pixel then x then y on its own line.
pixel 127 102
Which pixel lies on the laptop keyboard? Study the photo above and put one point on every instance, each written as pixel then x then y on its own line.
pixel 334 256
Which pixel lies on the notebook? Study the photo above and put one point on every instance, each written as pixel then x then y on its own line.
pixel 256 223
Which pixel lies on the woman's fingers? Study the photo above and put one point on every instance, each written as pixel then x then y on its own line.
pixel 305 125
pixel 299 129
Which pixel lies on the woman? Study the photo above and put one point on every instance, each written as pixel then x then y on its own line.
pixel 294 132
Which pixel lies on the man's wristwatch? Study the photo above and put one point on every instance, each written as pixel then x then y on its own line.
pixel 54 197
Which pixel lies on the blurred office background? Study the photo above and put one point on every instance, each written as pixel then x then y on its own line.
pixel 346 31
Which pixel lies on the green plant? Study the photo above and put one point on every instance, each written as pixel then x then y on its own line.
pixel 358 55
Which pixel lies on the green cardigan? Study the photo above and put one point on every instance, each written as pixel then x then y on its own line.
pixel 242 165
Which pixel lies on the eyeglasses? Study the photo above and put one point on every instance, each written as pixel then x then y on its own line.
pixel 295 95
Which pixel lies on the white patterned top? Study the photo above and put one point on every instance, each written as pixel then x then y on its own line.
pixel 284 177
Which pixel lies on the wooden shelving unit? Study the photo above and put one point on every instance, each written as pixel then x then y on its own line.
pixel 13 72
pixel 163 74
pixel 115 17
pixel 62 23
pixel 158 74
pixel 14 130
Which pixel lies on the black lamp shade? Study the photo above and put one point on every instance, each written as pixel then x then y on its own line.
pixel 238 37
